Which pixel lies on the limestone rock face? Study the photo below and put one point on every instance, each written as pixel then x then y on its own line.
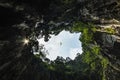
pixel 95 10
pixel 110 49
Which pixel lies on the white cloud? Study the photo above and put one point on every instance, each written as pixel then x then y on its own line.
pixel 65 44
pixel 74 51
pixel 53 46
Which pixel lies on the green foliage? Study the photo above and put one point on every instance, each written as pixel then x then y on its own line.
pixel 91 54
pixel 110 30
pixel 87 57
pixel 86 37
pixel 104 63
pixel 93 57
pixel 96 50
pixel 87 31
pixel 50 67
pixel 79 26
pixel 93 65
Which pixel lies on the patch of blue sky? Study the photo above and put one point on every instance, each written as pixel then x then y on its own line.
pixel 64 44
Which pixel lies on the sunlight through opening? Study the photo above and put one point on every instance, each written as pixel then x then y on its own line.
pixel 26 41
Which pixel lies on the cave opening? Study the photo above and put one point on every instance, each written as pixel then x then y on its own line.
pixel 28 30
pixel 64 44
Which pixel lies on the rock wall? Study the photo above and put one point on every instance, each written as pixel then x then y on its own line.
pixel 110 49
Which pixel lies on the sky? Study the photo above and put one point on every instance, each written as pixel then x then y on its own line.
pixel 65 44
